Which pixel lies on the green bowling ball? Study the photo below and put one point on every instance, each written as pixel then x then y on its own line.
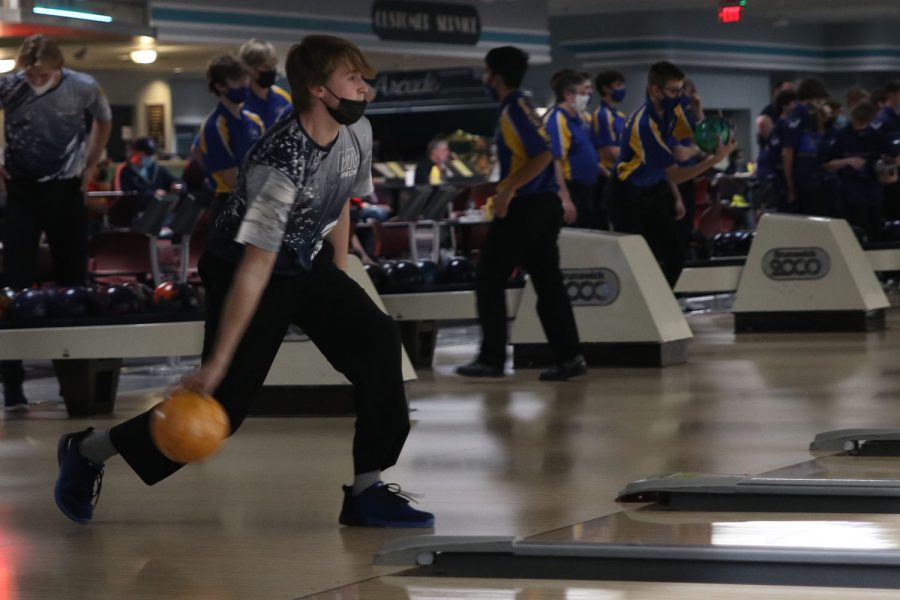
pixel 709 131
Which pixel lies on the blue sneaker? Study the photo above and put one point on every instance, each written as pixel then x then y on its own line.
pixel 382 505
pixel 14 398
pixel 79 481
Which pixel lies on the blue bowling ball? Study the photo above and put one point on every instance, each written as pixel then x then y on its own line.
pixel 431 272
pixel 69 302
pixel 121 299
pixel 30 304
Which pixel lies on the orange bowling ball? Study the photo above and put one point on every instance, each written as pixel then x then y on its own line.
pixel 188 426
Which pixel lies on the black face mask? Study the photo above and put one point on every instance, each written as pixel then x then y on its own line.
pixel 266 78
pixel 348 112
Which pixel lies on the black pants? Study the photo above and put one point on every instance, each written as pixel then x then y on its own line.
pixel 862 206
pixel 583 198
pixel 55 208
pixel 686 225
pixel 814 200
pixel 356 337
pixel 600 219
pixel 527 236
pixel 650 212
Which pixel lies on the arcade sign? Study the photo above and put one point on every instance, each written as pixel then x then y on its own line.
pixel 405 21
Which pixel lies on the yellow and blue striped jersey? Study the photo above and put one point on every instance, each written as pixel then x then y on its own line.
pixel 645 145
pixel 607 123
pixel 225 140
pixel 276 105
pixel 572 143
pixel 521 136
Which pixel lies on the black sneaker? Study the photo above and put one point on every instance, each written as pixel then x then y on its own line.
pixel 571 368
pixel 382 505
pixel 79 481
pixel 479 369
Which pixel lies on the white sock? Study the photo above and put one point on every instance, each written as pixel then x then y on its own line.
pixel 97 447
pixel 364 481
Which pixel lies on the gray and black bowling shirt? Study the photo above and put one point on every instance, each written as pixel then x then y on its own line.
pixel 46 135
pixel 290 193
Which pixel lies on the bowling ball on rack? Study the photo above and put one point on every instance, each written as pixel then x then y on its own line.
pixel 742 241
pixel 431 272
pixel 175 296
pixel 459 270
pixel 121 299
pixel 96 298
pixel 69 302
pixel 144 293
pixel 404 274
pixel 377 274
pixel 710 131
pixel 6 299
pixel 30 304
pixel 724 244
pixel 890 231
pixel 188 426
pixel 387 265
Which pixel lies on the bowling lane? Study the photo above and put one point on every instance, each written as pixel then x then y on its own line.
pixel 712 529
pixel 415 588
pixel 861 471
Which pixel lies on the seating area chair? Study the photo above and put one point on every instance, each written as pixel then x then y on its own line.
pixel 122 256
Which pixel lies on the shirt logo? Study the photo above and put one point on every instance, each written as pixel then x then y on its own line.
pixel 348 162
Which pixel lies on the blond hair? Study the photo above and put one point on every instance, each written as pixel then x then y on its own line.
pixel 257 52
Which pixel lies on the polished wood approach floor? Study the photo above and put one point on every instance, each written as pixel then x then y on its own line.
pixel 413 588
pixel 508 457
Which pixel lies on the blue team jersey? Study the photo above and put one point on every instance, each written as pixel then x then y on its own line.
pixel 607 124
pixel 521 136
pixel 801 132
pixel 225 140
pixel 776 144
pixel 572 143
pixel 47 135
pixel 869 144
pixel 645 146
pixel 276 104
pixel 888 123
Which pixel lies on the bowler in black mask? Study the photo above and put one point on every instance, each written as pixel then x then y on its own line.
pixel 265 99
pixel 276 256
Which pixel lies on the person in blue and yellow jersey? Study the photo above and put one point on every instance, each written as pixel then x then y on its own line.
pixel 229 131
pixel 801 150
pixel 266 100
pixel 607 123
pixel 575 158
pixel 887 122
pixel 641 195
pixel 524 231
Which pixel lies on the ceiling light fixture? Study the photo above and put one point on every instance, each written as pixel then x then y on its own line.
pixel 71 14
